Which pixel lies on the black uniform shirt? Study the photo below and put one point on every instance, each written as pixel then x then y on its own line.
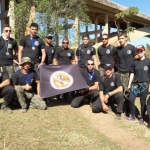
pixel 19 78
pixel 106 55
pixel 27 44
pixel 125 57
pixel 3 74
pixel 63 56
pixel 11 44
pixel 84 53
pixel 87 75
pixel 50 50
pixel 108 84
pixel 141 69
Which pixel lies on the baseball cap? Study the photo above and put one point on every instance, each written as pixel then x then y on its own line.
pixel 140 47
pixel 108 66
pixel 49 35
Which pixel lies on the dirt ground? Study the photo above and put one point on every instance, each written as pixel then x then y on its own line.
pixel 113 129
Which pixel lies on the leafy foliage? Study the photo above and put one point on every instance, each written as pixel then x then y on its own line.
pixel 51 15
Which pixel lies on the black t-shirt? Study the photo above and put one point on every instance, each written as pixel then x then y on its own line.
pixel 106 54
pixel 19 78
pixel 50 50
pixel 125 57
pixel 141 70
pixel 6 57
pixel 3 74
pixel 64 56
pixel 91 77
pixel 29 51
pixel 108 84
pixel 84 53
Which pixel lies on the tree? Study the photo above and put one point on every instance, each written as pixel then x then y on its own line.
pixel 125 15
pixel 51 15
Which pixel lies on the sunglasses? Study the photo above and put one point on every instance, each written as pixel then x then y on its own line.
pixel 90 64
pixel 104 38
pixel 8 31
pixel 65 43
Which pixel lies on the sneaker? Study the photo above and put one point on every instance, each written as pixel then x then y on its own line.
pixel 130 118
pixel 141 121
pixel 23 110
pixel 118 117
pixel 6 110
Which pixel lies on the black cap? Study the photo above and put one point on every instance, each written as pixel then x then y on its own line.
pixel 108 66
pixel 140 47
pixel 49 36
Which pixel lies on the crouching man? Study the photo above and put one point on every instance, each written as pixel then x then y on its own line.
pixel 111 91
pixel 92 78
pixel 23 82
pixel 6 90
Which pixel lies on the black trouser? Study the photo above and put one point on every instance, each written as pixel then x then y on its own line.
pixel 148 108
pixel 93 97
pixel 7 93
pixel 116 99
pixel 132 98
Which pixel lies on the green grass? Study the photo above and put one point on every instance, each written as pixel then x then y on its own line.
pixel 58 128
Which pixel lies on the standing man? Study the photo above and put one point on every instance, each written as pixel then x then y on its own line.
pixel 125 55
pixel 111 91
pixel 92 78
pixel 33 47
pixel 49 48
pixel 23 81
pixel 7 45
pixel 106 53
pixel 64 56
pixel 85 52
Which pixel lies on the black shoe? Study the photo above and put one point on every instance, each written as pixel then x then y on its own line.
pixel 118 116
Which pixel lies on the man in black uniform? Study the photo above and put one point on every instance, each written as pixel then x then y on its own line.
pixel 85 52
pixel 6 90
pixel 125 55
pixel 92 78
pixel 49 48
pixel 23 82
pixel 64 56
pixel 111 90
pixel 33 47
pixel 7 45
pixel 106 53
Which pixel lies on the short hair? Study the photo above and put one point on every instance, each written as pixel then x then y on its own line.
pixel 6 25
pixel 122 33
pixel 65 39
pixel 85 35
pixel 91 59
pixel 34 25
pixel 105 34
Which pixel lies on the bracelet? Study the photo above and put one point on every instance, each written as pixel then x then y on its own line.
pixel 108 94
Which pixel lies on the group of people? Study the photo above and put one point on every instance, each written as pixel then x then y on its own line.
pixel 122 68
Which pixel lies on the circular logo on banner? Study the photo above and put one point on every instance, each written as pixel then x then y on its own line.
pixel 129 52
pixel 9 46
pixel 36 43
pixel 61 80
pixel 88 51
pixel 68 54
pixel 145 68
pixel 107 51
pixel 112 84
pixel 52 51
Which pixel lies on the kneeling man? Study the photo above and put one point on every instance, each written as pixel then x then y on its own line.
pixel 23 81
pixel 92 78
pixel 111 91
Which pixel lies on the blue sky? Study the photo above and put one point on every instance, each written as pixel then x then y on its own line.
pixel 144 7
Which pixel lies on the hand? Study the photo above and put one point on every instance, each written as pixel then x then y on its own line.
pixel 39 97
pixel 105 107
pixel 136 56
pixel 86 89
pixel 106 98
pixel 40 64
pixel 27 87
pixel 129 86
